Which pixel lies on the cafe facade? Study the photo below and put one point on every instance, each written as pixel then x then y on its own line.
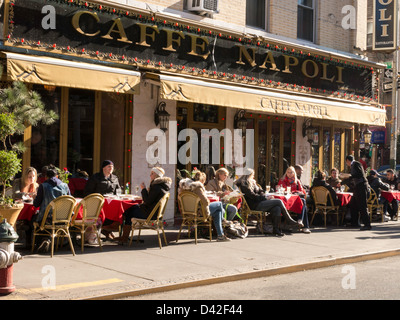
pixel 112 72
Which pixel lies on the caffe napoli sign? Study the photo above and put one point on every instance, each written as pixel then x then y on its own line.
pixel 104 34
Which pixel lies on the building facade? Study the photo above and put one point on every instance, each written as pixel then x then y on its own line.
pixel 287 71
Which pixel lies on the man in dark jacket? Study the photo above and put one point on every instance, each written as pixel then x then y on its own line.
pixel 104 181
pixel 392 180
pixel 361 193
pixel 377 185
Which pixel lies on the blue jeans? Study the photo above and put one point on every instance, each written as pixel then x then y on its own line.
pixel 303 216
pixel 217 212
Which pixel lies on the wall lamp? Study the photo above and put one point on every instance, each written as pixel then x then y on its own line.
pixel 308 130
pixel 367 136
pixel 161 117
pixel 240 122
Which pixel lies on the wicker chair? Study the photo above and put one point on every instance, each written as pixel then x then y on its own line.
pixel 322 197
pixel 246 212
pixel 374 205
pixel 193 213
pixel 62 209
pixel 91 207
pixel 156 224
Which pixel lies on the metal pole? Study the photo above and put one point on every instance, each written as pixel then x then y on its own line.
pixel 393 141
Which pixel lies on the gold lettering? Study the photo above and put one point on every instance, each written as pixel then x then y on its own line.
pixel 382 15
pixel 269 59
pixel 288 64
pixel 340 74
pixel 171 40
pixel 385 3
pixel 202 46
pixel 325 73
pixel 76 20
pixel 119 30
pixel 243 51
pixel 304 69
pixel 384 30
pixel 144 34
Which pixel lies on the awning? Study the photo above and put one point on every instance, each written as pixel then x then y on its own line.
pixel 268 101
pixel 64 73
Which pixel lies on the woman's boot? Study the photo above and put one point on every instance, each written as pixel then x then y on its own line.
pixel 276 221
pixel 125 234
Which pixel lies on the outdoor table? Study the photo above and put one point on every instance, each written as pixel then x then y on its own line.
pixel 344 198
pixel 391 195
pixel 292 202
pixel 27 212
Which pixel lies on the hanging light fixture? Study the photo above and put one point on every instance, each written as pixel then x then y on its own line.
pixel 240 122
pixel 367 135
pixel 161 117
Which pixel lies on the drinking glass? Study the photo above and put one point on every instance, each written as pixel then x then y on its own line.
pixel 288 190
pixel 342 188
pixel 118 192
pixel 392 187
pixel 136 190
pixel 267 188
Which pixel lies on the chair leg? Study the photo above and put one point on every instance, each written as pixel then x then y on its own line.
pixel 131 232
pixel 98 237
pixel 52 243
pixel 179 233
pixel 33 241
pixel 82 239
pixel 195 233
pixel 165 238
pixel 70 242
pixel 159 238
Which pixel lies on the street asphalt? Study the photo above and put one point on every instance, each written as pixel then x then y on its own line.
pixel 120 271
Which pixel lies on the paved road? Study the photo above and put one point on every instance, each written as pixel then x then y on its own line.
pixel 370 280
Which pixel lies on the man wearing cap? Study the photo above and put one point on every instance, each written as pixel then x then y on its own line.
pixel 104 181
pixel 377 185
pixel 361 193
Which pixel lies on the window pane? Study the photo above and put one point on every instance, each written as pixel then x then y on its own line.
pixel 327 150
pixel 338 138
pixel 307 3
pixel 287 145
pixel 205 113
pixel 80 130
pixel 255 13
pixel 262 152
pixel 275 157
pixel 305 24
pixel 45 148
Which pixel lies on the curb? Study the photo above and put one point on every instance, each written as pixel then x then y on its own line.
pixel 251 275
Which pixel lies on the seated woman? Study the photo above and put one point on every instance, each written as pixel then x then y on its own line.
pixel 159 186
pixel 290 180
pixel 320 181
pixel 215 209
pixel 258 200
pixel 26 186
pixel 221 189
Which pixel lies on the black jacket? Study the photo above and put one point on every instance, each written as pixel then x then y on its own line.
pixel 253 195
pixel 98 183
pixel 158 188
pixel 377 185
pixel 323 183
pixel 357 173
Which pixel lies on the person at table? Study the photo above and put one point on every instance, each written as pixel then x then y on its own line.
pixel 49 190
pixel 26 186
pixel 358 203
pixel 377 185
pixel 219 186
pixel 320 181
pixel 159 186
pixel 215 209
pixel 299 171
pixel 290 179
pixel 103 182
pixel 258 200
pixel 334 180
pixel 392 180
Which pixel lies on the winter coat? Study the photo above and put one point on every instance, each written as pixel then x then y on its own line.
pixel 198 188
pixel 218 186
pixel 252 193
pixel 98 183
pixel 158 188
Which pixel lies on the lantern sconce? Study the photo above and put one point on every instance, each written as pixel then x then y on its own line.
pixel 308 130
pixel 161 117
pixel 240 122
pixel 367 136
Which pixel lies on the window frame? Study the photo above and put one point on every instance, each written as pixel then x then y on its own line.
pixel 314 22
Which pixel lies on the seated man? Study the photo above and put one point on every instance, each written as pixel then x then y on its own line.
pixel 334 180
pixel 392 181
pixel 377 185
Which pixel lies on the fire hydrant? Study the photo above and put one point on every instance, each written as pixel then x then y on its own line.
pixel 8 257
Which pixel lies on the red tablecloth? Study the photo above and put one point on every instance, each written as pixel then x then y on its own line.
pixel 390 195
pixel 213 198
pixel 344 198
pixel 292 203
pixel 76 184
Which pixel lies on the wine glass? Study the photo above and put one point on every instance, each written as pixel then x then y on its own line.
pixel 136 190
pixel 289 190
pixel 392 187
pixel 342 188
pixel 267 188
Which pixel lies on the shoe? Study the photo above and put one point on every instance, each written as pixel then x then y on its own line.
pixel 223 238
pixel 44 246
pixel 363 228
pixel 300 223
pixel 306 230
pixel 278 233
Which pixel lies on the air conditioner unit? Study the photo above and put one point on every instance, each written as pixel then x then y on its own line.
pixel 203 6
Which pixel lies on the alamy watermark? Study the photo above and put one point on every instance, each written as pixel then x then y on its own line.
pixel 234 145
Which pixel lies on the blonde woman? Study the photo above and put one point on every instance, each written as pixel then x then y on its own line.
pixel 26 185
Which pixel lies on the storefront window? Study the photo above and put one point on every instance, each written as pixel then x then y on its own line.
pixel 326 150
pixel 81 130
pixel 287 145
pixel 315 151
pixel 261 157
pixel 113 131
pixel 337 144
pixel 205 113
pixel 275 158
pixel 45 143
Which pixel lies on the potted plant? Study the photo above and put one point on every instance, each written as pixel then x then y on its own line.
pixel 19 108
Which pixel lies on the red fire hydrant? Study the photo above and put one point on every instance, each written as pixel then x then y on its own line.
pixel 8 257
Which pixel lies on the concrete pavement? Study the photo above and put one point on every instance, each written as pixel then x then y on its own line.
pixel 119 271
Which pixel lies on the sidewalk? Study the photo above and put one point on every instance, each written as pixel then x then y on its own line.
pixel 118 271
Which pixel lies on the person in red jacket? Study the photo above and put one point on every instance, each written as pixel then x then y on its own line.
pixel 290 179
